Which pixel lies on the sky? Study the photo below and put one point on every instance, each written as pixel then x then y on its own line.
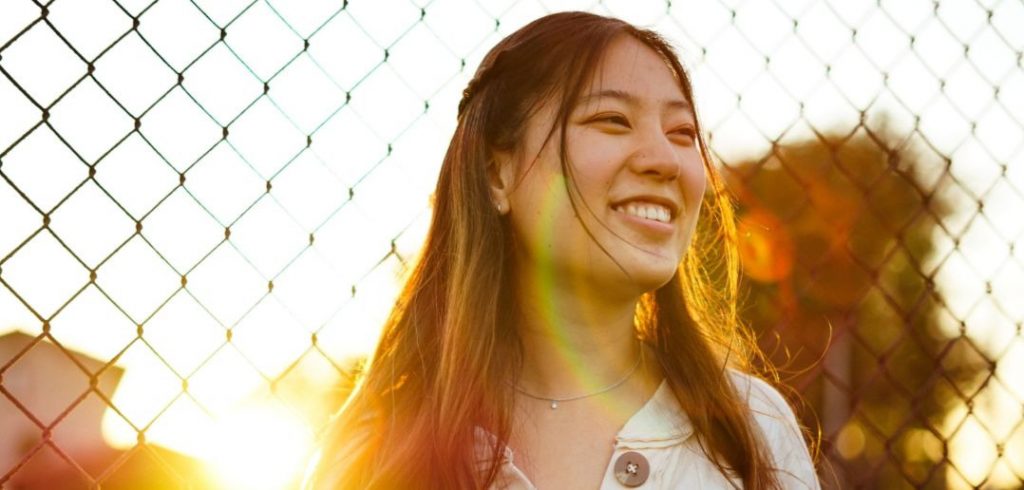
pixel 350 132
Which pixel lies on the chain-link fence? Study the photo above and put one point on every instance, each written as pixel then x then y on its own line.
pixel 205 206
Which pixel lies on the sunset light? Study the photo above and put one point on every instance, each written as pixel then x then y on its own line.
pixel 207 210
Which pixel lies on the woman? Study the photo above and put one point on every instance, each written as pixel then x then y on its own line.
pixel 560 329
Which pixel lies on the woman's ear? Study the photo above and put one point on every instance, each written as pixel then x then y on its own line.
pixel 500 178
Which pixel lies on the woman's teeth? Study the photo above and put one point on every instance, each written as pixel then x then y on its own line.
pixel 647 211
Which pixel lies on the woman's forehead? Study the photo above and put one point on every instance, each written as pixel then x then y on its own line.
pixel 634 73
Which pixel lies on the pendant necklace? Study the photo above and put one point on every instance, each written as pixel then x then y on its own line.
pixel 555 401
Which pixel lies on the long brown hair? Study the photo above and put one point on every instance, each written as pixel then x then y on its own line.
pixel 449 348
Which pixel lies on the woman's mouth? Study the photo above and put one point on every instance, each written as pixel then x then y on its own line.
pixel 646 210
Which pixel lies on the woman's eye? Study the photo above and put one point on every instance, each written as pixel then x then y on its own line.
pixel 612 119
pixel 687 133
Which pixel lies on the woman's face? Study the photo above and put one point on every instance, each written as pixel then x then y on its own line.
pixel 635 171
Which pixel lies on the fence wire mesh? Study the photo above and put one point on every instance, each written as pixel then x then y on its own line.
pixel 206 205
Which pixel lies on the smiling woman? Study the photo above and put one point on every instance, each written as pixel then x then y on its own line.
pixel 572 320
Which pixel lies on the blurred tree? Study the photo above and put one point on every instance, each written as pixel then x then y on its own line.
pixel 837 244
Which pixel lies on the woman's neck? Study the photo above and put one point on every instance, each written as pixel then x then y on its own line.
pixel 575 340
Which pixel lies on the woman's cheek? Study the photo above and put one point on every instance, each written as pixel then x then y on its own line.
pixel 596 159
pixel 695 180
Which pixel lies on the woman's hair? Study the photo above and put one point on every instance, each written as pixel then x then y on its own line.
pixel 450 347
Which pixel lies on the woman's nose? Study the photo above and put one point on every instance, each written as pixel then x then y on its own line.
pixel 656 156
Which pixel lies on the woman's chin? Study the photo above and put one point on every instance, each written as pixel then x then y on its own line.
pixel 648 279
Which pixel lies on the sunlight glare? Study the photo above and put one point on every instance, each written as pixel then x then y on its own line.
pixel 263 447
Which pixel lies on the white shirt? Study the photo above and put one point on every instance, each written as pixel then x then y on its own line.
pixel 662 434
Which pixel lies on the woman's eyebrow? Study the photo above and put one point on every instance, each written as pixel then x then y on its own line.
pixel 633 100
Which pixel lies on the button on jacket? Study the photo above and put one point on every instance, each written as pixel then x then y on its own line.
pixel 662 434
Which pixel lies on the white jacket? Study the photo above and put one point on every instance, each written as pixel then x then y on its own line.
pixel 663 435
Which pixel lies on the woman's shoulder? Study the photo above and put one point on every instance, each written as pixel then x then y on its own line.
pixel 782 432
pixel 764 400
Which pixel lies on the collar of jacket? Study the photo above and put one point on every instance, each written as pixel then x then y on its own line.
pixel 660 423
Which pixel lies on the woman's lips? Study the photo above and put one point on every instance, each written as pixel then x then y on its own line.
pixel 638 218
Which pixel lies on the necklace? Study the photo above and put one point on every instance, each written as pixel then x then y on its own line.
pixel 556 401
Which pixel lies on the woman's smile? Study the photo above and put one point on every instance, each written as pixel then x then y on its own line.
pixel 651 218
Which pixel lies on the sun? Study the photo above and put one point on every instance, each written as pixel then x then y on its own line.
pixel 263 447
